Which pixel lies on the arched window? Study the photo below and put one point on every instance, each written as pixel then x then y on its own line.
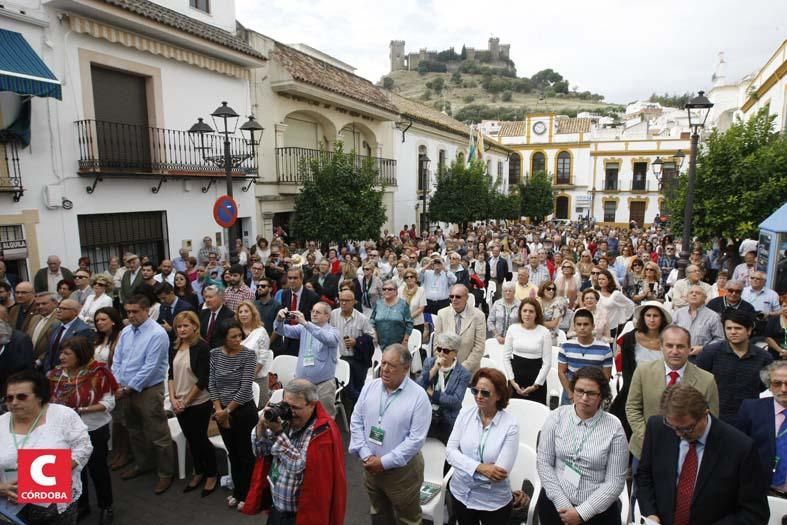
pixel 563 168
pixel 538 163
pixel 561 207
pixel 514 169
pixel 423 173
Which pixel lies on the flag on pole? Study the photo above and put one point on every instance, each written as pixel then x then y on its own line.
pixel 472 148
pixel 480 147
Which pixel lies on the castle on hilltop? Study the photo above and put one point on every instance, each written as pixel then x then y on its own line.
pixel 498 55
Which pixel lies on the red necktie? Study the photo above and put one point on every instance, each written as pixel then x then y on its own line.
pixel 688 476
pixel 673 378
pixel 211 326
pixel 293 305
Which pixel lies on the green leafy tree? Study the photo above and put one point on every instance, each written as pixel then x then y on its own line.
pixel 537 197
pixel 501 205
pixel 741 179
pixel 461 194
pixel 388 83
pixel 340 199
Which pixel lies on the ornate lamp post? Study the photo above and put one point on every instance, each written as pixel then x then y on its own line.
pixel 423 169
pixel 225 121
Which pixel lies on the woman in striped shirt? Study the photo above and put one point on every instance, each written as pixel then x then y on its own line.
pixel 232 368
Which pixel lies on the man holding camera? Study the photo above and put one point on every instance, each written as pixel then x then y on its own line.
pixel 317 351
pixel 304 460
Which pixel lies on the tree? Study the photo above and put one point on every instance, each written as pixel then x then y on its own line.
pixel 537 197
pixel 461 194
pixel 340 199
pixel 741 179
pixel 388 83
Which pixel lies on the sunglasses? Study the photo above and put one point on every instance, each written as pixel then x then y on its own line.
pixel 457 296
pixel 389 289
pixel 410 277
pixel 443 350
pixel 595 273
pixel 484 393
pixel 19 397
pixel 550 289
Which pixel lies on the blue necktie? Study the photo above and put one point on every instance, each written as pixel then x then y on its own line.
pixel 780 471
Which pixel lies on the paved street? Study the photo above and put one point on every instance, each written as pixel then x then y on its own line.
pixel 135 502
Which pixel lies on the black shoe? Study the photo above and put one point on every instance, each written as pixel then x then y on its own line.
pixel 107 516
pixel 207 492
pixel 82 513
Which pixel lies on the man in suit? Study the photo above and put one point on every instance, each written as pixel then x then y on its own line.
pixel 171 305
pixel 46 279
pixel 650 380
pixel 468 323
pixel 17 354
pixel 325 283
pixel 213 317
pixel 23 311
pixel 43 323
pixel 496 270
pixel 296 298
pixel 132 278
pixel 696 469
pixel 67 312
pixel 765 421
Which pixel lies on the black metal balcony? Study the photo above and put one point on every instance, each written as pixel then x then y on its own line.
pixel 114 148
pixel 292 163
pixel 10 171
pixel 611 184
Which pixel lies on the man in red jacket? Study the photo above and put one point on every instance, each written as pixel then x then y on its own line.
pixel 303 461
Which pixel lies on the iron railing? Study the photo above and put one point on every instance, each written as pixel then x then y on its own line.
pixel 611 185
pixel 115 147
pixel 292 164
pixel 10 171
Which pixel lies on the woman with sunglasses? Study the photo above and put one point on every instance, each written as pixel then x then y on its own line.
pixel 568 283
pixel 33 423
pixel 445 381
pixel 482 449
pixel 553 306
pixel 649 288
pixel 415 296
pixel 634 277
pixel 582 457
pixel 527 353
pixel 100 298
pixel 391 317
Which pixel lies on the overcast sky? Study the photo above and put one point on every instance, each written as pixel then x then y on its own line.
pixel 622 49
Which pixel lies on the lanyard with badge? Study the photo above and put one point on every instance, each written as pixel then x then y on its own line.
pixel 308 358
pixel 377 434
pixel 18 445
pixel 486 484
pixel 572 473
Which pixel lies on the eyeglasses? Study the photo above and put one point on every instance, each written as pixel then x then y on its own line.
pixel 61 308
pixel 595 273
pixel 734 290
pixel 263 286
pixel 756 278
pixel 388 289
pixel 409 276
pixel 550 289
pixel 578 392
pixel 19 397
pixel 680 430
pixel 457 296
pixel 443 350
pixel 484 393
pixel 778 384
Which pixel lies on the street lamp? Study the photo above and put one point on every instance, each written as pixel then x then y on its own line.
pixel 698 109
pixel 657 165
pixel 225 120
pixel 423 168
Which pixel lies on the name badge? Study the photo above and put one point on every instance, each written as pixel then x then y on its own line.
pixel 572 475
pixel 274 474
pixel 308 360
pixel 376 435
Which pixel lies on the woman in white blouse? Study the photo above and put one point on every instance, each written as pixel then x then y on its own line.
pixel 619 308
pixel 256 338
pixel 582 457
pixel 527 353
pixel 33 423
pixel 482 449
pixel 101 298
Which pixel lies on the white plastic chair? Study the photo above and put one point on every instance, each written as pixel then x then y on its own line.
pixel 343 379
pixel 284 366
pixel 531 416
pixel 554 386
pixel 525 468
pixel 434 459
pixel 494 351
pixel 414 345
pixel 276 396
pixel 180 442
pixel 218 442
pixel 636 515
pixel 428 347
pixel 625 500
pixel 778 508
pixel 491 288
pixel 255 393
pixel 561 337
pixel 489 363
pixel 468 400
pixel 555 352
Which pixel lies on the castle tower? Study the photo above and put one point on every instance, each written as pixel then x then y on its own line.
pixel 397 55
pixel 494 48
pixel 505 51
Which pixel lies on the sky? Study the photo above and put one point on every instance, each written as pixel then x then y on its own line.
pixel 624 50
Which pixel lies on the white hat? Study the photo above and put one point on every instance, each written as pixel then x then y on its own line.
pixel 656 304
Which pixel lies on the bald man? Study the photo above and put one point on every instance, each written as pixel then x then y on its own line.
pixel 67 312
pixel 23 311
pixel 46 279
pixel 703 324
pixel 680 292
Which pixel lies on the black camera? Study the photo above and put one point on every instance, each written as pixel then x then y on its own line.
pixel 278 411
pixel 290 316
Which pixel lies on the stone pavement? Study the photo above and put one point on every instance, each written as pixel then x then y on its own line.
pixel 135 502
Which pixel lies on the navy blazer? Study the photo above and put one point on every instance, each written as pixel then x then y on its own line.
pixel 78 327
pixel 450 401
pixel 757 419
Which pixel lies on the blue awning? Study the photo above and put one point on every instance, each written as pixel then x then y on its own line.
pixel 22 71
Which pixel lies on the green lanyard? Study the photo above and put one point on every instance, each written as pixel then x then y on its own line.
pixel 384 409
pixel 482 442
pixel 578 449
pixel 30 430
pixel 784 345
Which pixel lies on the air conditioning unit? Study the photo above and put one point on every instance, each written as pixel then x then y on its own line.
pixel 53 195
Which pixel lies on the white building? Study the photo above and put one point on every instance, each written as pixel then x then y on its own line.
pixel 110 168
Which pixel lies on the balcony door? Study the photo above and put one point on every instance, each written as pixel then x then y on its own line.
pixel 637 212
pixel 121 109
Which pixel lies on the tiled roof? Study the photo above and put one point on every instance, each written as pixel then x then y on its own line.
pixel 310 70
pixel 168 17
pixel 573 125
pixel 438 119
pixel 516 128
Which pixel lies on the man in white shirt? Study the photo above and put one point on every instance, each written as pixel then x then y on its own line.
pixel 352 325
pixel 165 273
pixel 680 292
pixel 764 300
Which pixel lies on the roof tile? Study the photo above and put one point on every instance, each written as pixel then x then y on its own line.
pixel 573 125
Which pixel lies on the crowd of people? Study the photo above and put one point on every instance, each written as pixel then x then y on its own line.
pixel 661 370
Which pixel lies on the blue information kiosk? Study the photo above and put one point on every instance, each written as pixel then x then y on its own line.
pixel 772 250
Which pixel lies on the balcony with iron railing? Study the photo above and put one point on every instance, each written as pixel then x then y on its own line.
pixel 611 185
pixel 118 149
pixel 292 165
pixel 10 170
